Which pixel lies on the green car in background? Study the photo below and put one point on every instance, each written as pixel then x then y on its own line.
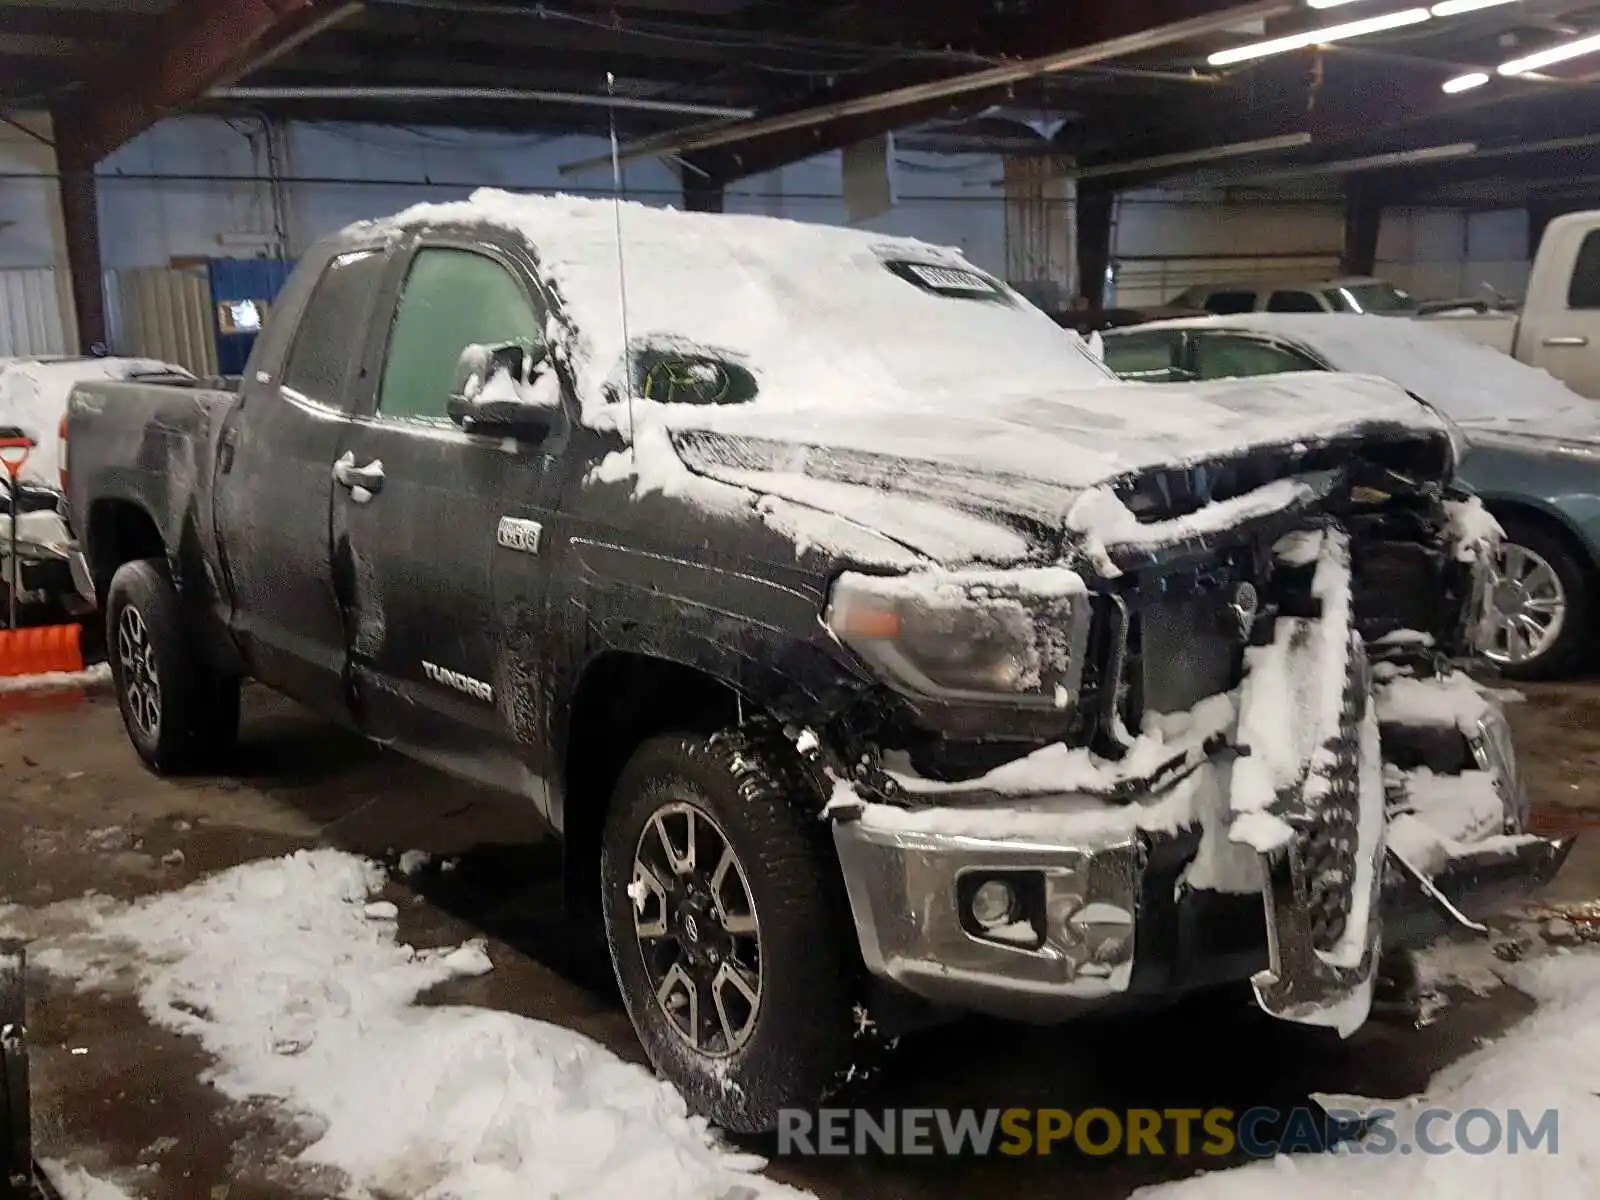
pixel 1531 447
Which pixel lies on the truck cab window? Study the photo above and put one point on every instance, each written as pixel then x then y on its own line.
pixel 1293 302
pixel 331 326
pixel 1228 304
pixel 451 299
pixel 1584 290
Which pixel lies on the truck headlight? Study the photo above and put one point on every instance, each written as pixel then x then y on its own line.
pixel 1014 637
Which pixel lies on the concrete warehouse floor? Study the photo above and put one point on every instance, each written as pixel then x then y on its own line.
pixel 121 1097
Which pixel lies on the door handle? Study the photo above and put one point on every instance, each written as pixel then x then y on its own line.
pixel 362 481
pixel 1573 340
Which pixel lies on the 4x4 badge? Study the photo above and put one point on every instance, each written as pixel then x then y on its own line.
pixel 517 534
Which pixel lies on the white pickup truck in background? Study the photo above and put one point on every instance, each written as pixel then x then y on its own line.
pixel 1558 326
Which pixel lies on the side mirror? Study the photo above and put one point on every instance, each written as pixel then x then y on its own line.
pixel 510 388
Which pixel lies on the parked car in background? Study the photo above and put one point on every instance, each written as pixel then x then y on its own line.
pixel 1357 294
pixel 875 653
pixel 33 398
pixel 1092 320
pixel 1532 448
pixel 1558 326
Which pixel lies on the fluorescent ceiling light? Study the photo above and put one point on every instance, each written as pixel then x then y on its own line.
pixel 1463 83
pixel 1561 53
pixel 1398 158
pixel 1316 37
pixel 1453 8
pixel 1287 141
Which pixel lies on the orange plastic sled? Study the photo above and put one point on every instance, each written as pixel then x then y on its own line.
pixel 47 648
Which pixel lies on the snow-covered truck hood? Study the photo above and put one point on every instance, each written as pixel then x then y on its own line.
pixel 1003 481
pixel 1076 438
pixel 878 363
pixel 33 396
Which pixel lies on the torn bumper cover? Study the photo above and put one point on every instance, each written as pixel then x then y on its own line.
pixel 1110 919
pixel 1328 788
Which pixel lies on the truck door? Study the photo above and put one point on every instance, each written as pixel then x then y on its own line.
pixel 1560 328
pixel 274 479
pixel 416 519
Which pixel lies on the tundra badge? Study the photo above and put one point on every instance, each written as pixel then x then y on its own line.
pixel 464 684
pixel 516 534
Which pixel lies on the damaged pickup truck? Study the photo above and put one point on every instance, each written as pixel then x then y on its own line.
pixel 875 654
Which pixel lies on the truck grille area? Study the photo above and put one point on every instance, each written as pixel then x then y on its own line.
pixel 1187 635
pixel 1188 650
pixel 1399 585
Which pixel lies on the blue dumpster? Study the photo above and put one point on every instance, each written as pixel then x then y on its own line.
pixel 242 289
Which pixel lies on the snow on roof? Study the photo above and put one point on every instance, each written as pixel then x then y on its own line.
pixel 1474 384
pixel 812 308
pixel 849 353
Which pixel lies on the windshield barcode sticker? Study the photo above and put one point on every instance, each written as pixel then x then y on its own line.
pixel 949 279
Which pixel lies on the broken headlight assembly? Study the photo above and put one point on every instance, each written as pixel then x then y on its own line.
pixel 974 637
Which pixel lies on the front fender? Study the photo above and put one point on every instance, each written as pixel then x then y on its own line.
pixel 761 636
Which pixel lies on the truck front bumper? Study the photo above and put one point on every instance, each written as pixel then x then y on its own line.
pixel 1109 919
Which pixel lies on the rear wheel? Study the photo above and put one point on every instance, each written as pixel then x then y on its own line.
pixel 178 712
pixel 728 929
pixel 1541 599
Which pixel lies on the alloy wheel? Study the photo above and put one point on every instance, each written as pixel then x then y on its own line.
pixel 140 683
pixel 1528 605
pixel 695 921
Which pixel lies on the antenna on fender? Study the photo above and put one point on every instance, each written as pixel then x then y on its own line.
pixel 622 271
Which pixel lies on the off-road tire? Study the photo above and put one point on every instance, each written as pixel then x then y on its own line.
pixel 802 1043
pixel 198 709
pixel 1571 647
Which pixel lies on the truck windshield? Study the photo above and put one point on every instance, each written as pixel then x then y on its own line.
pixel 1377 297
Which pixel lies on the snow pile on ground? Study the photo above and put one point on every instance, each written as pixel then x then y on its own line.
pixel 56 680
pixel 74 1183
pixel 280 969
pixel 1549 1061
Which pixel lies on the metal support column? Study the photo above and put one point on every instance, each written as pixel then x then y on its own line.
pixel 1094 243
pixel 1363 217
pixel 80 219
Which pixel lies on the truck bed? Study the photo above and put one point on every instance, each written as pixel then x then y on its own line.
pixel 1496 329
pixel 148 446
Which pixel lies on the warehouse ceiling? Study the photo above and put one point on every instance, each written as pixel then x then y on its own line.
pixel 733 87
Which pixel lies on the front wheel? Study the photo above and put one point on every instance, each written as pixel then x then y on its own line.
pixel 727 924
pixel 178 712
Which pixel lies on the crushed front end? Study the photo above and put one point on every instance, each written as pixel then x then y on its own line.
pixel 1237 744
